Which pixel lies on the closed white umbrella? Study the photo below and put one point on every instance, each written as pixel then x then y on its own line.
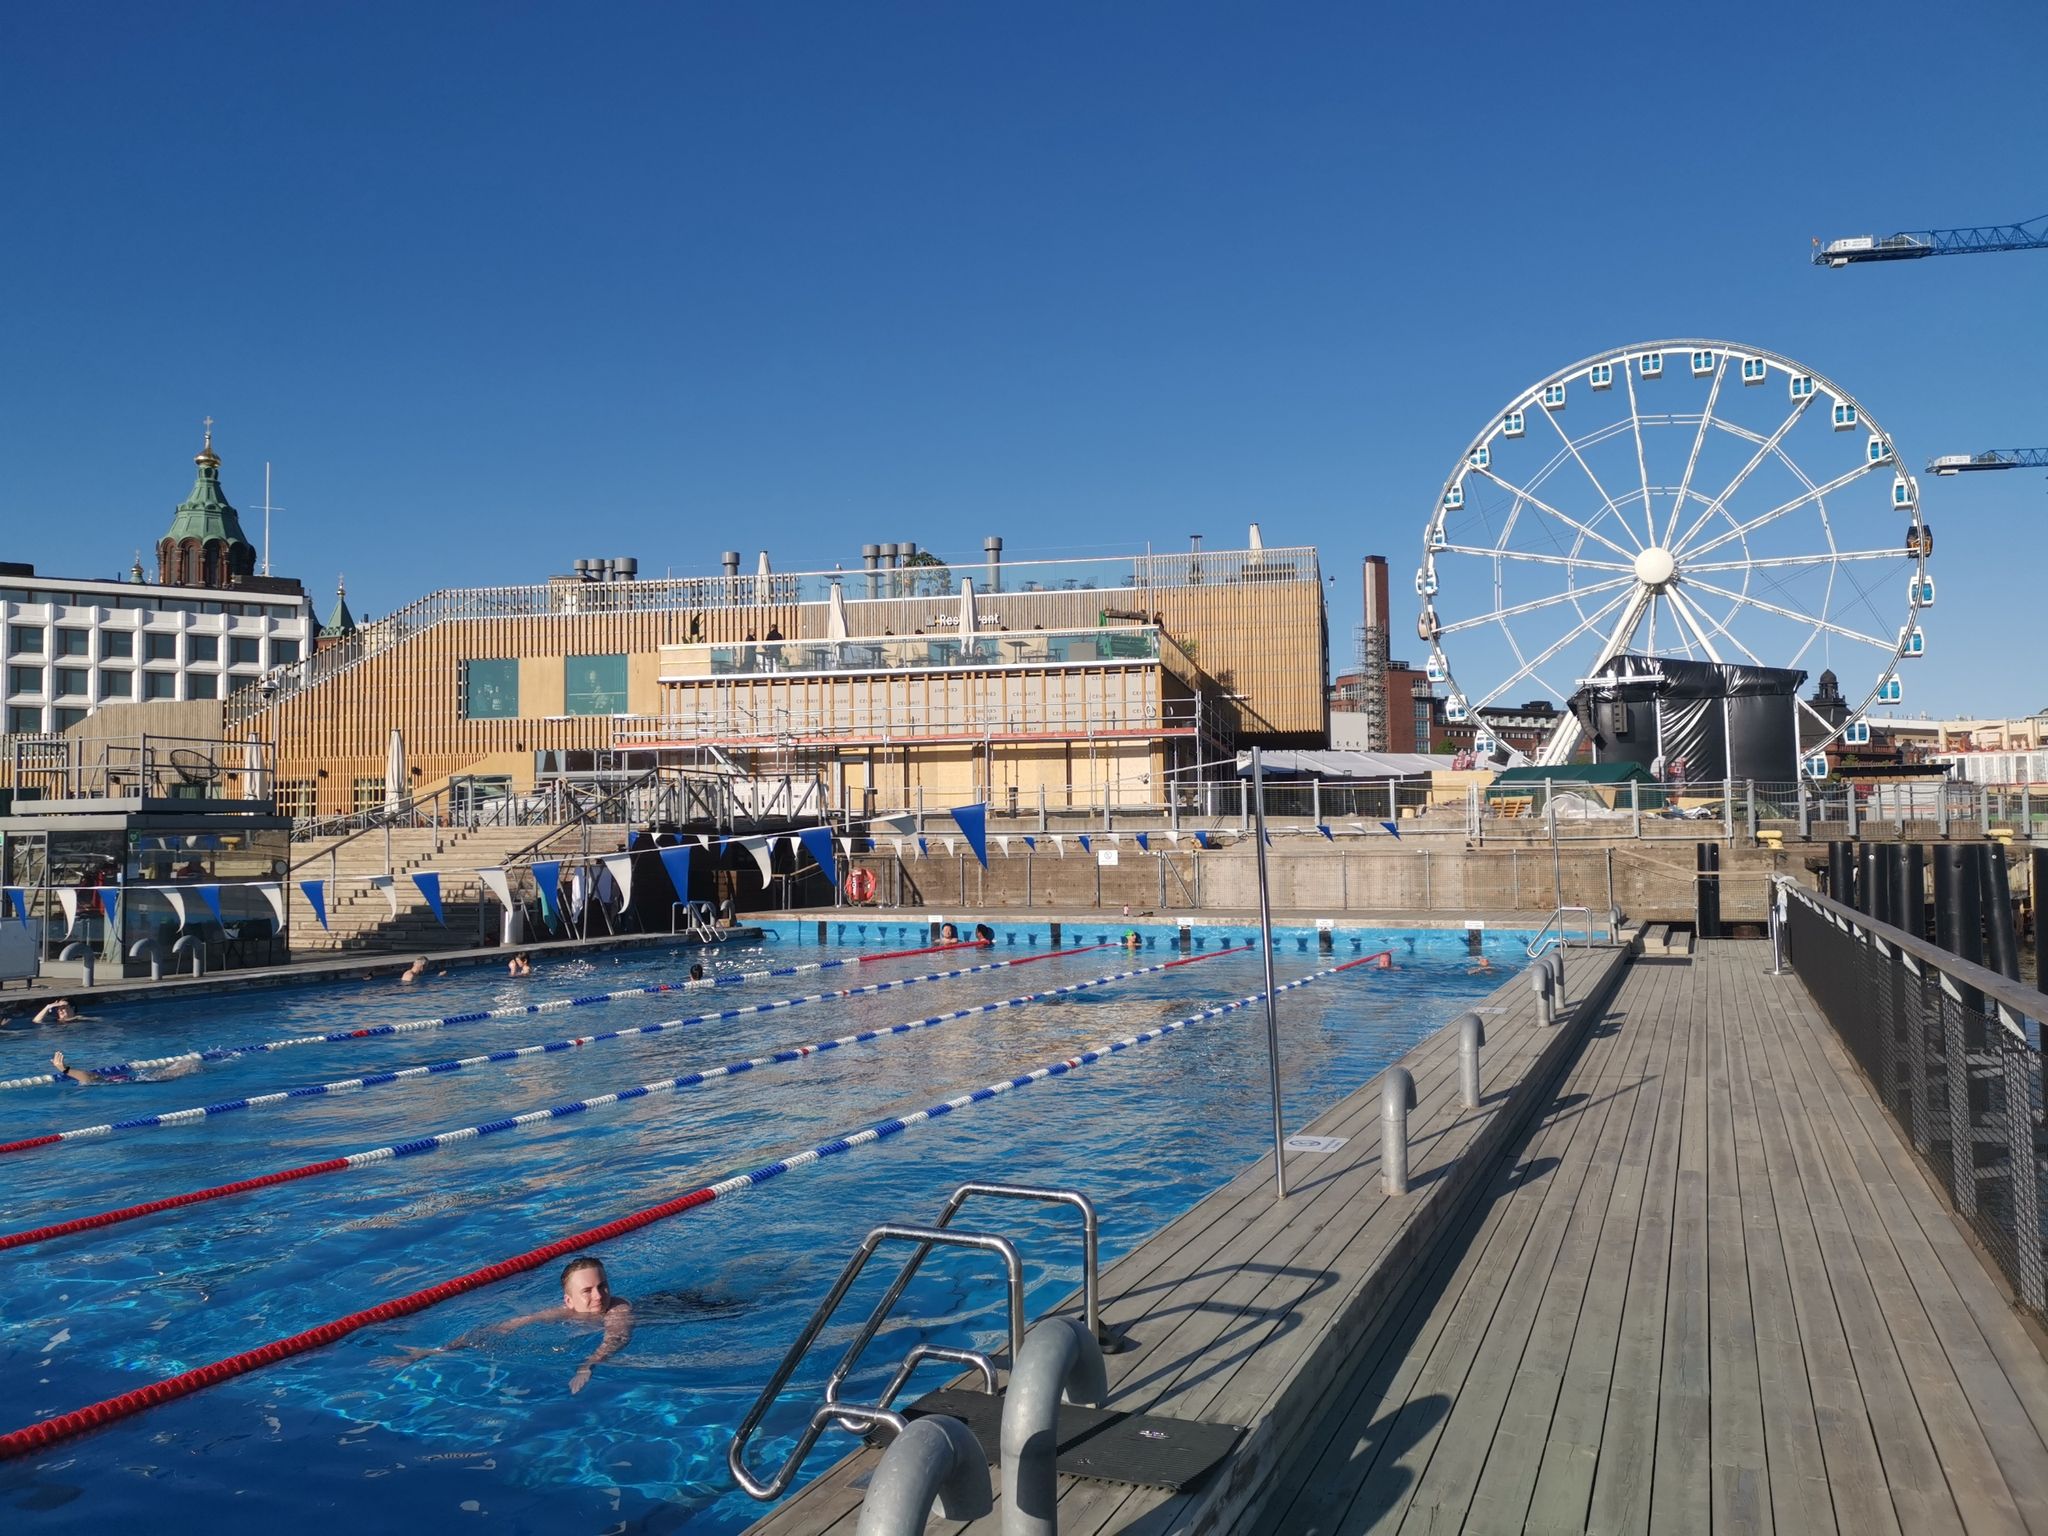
pixel 835 616
pixel 761 580
pixel 967 630
pixel 394 773
pixel 1256 541
pixel 255 773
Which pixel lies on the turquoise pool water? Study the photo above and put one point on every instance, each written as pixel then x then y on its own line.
pixel 490 1435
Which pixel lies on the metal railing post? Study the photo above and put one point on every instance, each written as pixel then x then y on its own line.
pixel 1471 1036
pixel 1635 808
pixel 1542 985
pixel 1728 810
pixel 1397 1097
pixel 1849 809
pixel 1805 813
pixel 1258 787
pixel 1749 792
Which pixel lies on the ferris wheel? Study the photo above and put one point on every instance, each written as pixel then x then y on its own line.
pixel 1675 499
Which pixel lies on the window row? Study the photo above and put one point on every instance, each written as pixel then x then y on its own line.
pixel 114 683
pixel 591 685
pixel 132 602
pixel 119 645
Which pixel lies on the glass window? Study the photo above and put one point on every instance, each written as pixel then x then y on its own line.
pixel 367 795
pixel 490 690
pixel 245 651
pixel 24 640
pixel 159 685
pixel 67 718
pixel 202 648
pixel 295 797
pixel 74 642
pixel 116 684
pixel 72 680
pixel 24 679
pixel 22 718
pixel 160 647
pixel 202 685
pixel 594 685
pixel 116 643
pixel 282 653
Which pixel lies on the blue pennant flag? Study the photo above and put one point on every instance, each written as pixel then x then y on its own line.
pixel 1393 827
pixel 430 887
pixel 723 844
pixel 1203 839
pixel 547 875
pixel 1145 842
pixel 1086 846
pixel 20 907
pixel 1269 839
pixel 817 843
pixel 211 895
pixel 110 903
pixel 1031 843
pixel 1328 835
pixel 923 847
pixel 973 820
pixel 677 862
pixel 316 897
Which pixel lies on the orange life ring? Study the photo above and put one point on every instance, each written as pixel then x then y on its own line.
pixel 860 885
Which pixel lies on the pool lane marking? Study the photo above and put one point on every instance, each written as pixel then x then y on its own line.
pixel 510 1011
pixel 434 1143
pixel 65 1426
pixel 438 1068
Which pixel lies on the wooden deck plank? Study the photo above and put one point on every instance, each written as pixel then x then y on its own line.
pixel 1682 1483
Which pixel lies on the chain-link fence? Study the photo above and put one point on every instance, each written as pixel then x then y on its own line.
pixel 1953 1051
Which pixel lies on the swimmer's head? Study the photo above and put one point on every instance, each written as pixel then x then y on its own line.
pixel 697 972
pixel 584 1286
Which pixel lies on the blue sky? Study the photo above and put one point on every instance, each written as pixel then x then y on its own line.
pixel 494 287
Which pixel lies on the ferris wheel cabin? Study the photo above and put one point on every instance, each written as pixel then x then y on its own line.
pixel 1512 424
pixel 1755 370
pixel 1601 376
pixel 1802 387
pixel 1845 416
pixel 1650 365
pixel 1702 364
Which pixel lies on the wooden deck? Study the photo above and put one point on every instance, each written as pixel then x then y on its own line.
pixel 1709 1291
pixel 1243 1310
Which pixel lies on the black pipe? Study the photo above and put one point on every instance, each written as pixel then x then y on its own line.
pixel 1867 881
pixel 2040 875
pixel 1911 907
pixel 1958 914
pixel 1714 885
pixel 1880 881
pixel 1994 887
pixel 1842 873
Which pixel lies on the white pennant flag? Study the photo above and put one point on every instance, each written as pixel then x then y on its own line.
pixel 1116 839
pixel 1003 842
pixel 950 846
pixel 176 898
pixel 68 900
pixel 898 843
pixel 846 847
pixel 1173 838
pixel 1059 845
pixel 383 883
pixel 704 840
pixel 273 892
pixel 758 847
pixel 621 866
pixel 497 884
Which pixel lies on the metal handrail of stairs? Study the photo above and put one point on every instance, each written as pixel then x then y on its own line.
pixel 1562 938
pixel 832 1409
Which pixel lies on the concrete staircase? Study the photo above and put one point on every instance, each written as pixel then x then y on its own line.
pixel 359 917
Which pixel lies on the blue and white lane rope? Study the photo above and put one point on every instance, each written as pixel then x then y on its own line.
pixel 434 1143
pixel 511 1011
pixel 441 1068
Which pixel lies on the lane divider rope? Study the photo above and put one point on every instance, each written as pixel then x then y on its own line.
pixel 434 1143
pixel 64 1426
pixel 201 1112
pixel 482 1015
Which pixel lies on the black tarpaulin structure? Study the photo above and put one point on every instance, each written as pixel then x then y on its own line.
pixel 1694 722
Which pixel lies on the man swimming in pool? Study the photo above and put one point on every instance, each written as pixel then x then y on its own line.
pixel 586 1294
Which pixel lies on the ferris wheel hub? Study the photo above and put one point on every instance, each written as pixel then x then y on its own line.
pixel 1656 567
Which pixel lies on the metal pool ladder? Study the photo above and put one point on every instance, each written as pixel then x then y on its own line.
pixel 831 1409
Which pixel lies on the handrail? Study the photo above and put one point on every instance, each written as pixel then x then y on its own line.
pixel 2015 1002
pixel 829 1412
pixel 1537 945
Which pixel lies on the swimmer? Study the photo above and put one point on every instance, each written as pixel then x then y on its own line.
pixel 182 1067
pixel 1131 940
pixel 697 971
pixel 58 1012
pixel 414 971
pixel 984 935
pixel 78 1075
pixel 948 934
pixel 586 1293
pixel 519 965
pixel 1481 966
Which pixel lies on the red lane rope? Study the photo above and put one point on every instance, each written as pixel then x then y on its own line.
pixel 1384 960
pixel 929 949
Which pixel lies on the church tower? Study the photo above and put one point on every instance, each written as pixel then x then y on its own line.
pixel 206 546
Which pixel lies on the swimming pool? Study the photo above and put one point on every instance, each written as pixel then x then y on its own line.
pixel 491 1434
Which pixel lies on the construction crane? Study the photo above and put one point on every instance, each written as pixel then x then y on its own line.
pixel 1990 458
pixel 1913 244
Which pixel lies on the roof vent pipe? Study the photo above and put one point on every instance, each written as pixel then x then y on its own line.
pixel 627 567
pixel 871 557
pixel 731 561
pixel 992 546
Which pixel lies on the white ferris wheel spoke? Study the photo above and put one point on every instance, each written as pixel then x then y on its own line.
pixel 1770 562
pixel 1763 451
pixel 1529 666
pixel 1692 460
pixel 1635 423
pixel 1795 616
pixel 1573 448
pixel 1486 552
pixel 1543 506
pixel 1722 628
pixel 1741 530
pixel 1568 596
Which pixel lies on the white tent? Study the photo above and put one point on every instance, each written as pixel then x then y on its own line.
pixel 968 629
pixel 835 615
pixel 396 790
